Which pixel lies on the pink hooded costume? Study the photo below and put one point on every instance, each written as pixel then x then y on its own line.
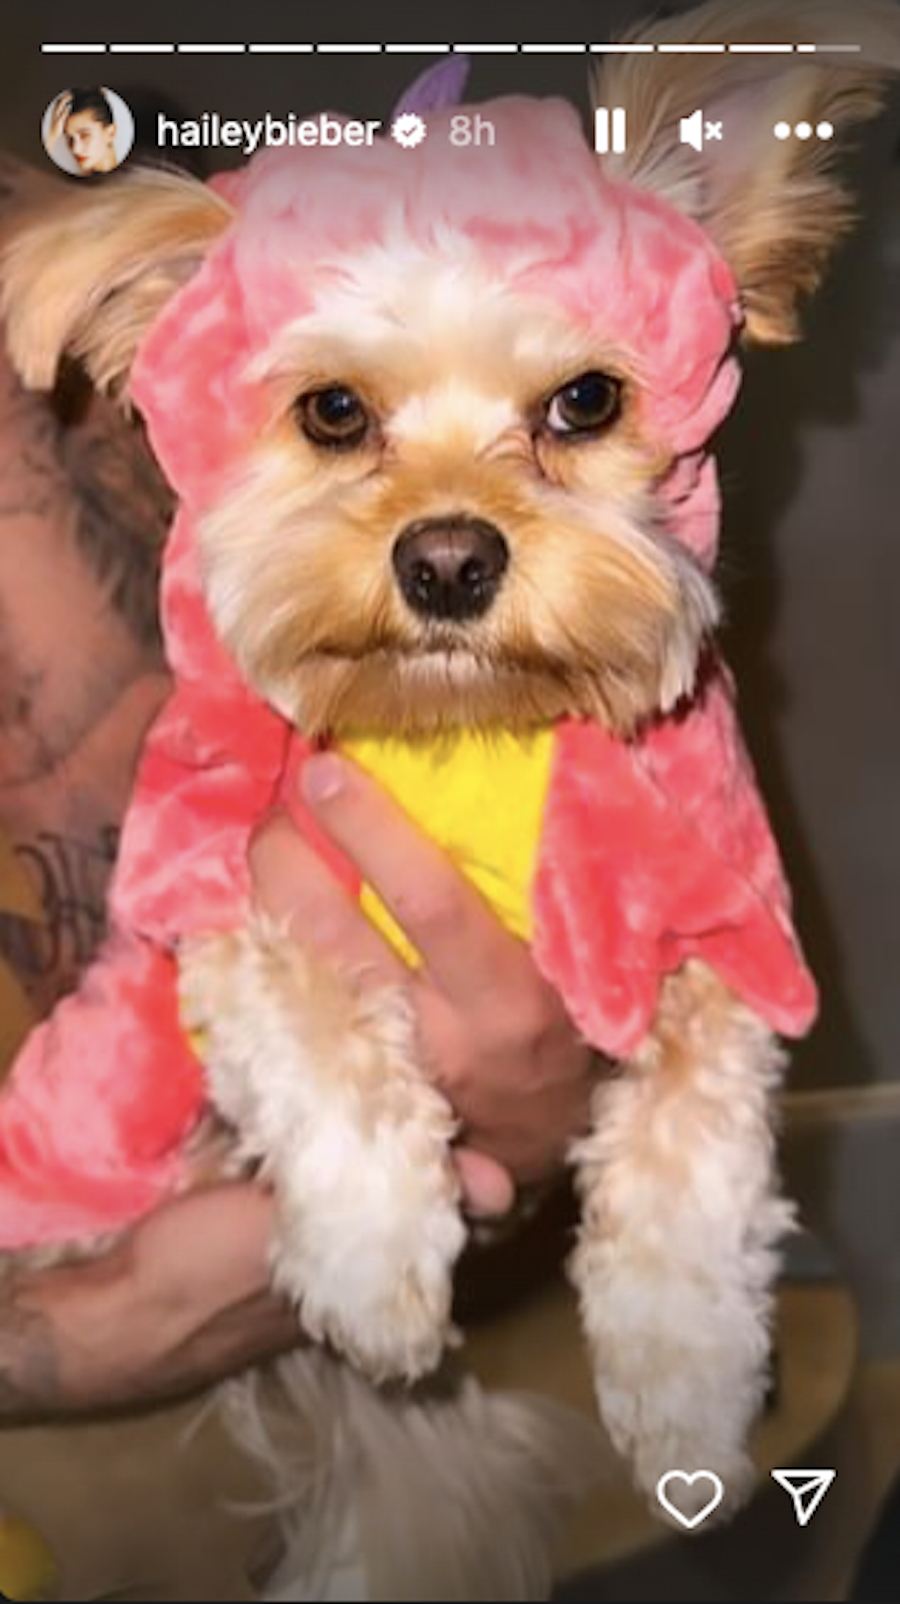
pixel 652 851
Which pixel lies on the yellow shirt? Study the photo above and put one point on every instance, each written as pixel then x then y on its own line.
pixel 480 796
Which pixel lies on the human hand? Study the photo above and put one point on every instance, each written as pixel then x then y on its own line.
pixel 494 1036
pixel 179 1302
pixel 185 1298
pixel 60 112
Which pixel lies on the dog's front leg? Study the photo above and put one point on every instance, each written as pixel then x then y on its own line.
pixel 321 1083
pixel 678 1248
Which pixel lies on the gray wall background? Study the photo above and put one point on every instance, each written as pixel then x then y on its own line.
pixel 810 458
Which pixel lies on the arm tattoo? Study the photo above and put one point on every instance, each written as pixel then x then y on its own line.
pixel 77 455
pixel 80 461
pixel 38 486
pixel 34 1358
pixel 124 507
pixel 70 876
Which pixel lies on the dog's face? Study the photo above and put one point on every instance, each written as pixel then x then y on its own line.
pixel 458 501
pixel 453 516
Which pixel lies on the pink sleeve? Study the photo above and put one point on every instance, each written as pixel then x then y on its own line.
pixel 98 1104
pixel 654 852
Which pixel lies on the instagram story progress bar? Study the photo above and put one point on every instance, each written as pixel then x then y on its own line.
pixel 609 129
pixel 374 47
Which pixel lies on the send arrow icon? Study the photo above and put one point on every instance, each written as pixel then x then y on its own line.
pixel 807 1489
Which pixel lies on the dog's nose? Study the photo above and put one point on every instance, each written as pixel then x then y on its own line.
pixel 450 567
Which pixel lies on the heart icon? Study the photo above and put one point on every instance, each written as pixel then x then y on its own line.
pixel 716 1495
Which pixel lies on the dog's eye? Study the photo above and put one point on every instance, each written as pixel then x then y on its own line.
pixel 584 406
pixel 334 416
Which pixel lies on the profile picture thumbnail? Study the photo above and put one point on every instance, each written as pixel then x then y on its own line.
pixel 87 131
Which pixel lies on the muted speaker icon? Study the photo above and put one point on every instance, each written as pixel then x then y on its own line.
pixel 697 128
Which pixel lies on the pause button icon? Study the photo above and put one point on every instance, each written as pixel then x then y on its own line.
pixel 609 129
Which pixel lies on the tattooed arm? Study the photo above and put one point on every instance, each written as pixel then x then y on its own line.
pixel 82 516
pixel 178 1304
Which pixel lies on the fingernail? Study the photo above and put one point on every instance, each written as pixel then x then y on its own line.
pixel 322 777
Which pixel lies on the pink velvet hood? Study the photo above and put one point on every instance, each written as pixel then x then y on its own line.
pixel 539 213
pixel 653 851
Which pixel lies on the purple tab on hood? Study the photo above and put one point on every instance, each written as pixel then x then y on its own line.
pixel 437 88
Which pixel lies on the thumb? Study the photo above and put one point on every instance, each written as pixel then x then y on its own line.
pixel 488 1188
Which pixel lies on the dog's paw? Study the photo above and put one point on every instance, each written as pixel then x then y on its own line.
pixel 664 1411
pixel 323 1086
pixel 679 1368
pixel 389 1333
pixel 367 1250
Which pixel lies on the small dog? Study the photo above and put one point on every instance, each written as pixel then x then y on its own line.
pixel 439 422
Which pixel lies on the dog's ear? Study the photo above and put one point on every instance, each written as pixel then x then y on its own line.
pixel 775 207
pixel 89 274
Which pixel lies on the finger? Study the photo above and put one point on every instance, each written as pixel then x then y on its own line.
pixel 295 886
pixel 488 1188
pixel 465 950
